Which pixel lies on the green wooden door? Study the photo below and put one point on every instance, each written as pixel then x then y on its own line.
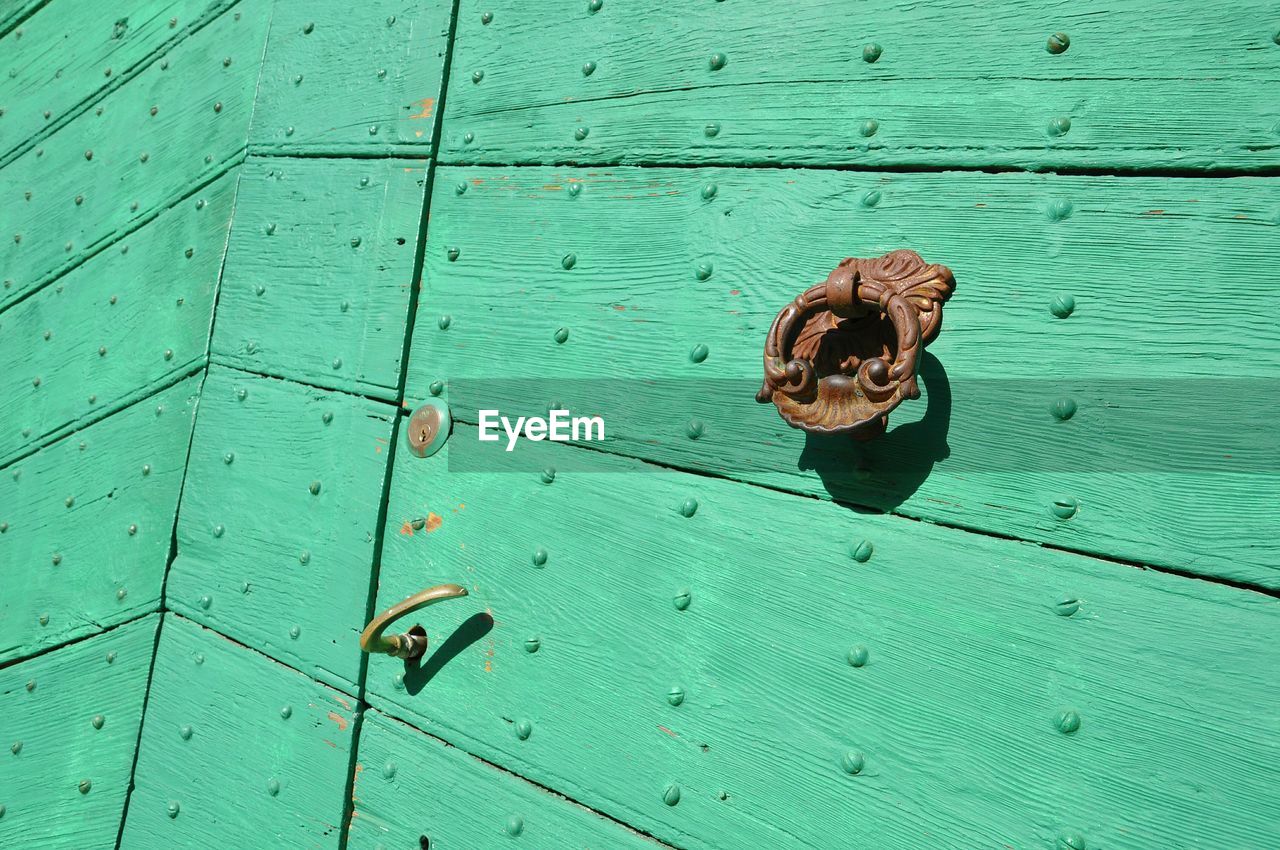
pixel 248 239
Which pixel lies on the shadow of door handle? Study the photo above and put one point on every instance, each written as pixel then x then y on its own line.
pixel 833 365
pixel 413 643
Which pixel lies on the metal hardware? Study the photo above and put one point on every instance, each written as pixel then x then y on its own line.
pixel 833 364
pixel 413 643
pixel 429 428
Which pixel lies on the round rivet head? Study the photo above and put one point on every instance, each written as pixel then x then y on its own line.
pixel 121 593
pixel 15 747
pixel 219 530
pixel 397 681
pixel 675 696
pixel 88 154
pixel 198 658
pixel 436 387
pixel 703 271
pixel 682 599
pixel 540 557
pixel 429 428
pixel 575 189
pixel 1276 37
pixel 1068 722
pixel 711 130
pixel 304 557
pixel 468 138
pixel 56 559
pixel 717 61
pixel 294 632
pixel 869 127
pixel 452 254
pixel 206 601
pixel 389 770
pixel 671 795
pixel 1062 306
pixel 852 763
pixel 477 76
pixel 97 720
pixel 568 261
pixel 486 18
pixel 43 619
pixel 229 458
pixel 1066 606
pixel 286 711
pixel 858 656
pixel 594 6
pixel 871 52
pixel 709 191
pixel 562 335
pixel 698 353
pixel 444 322
pixel 31 685
pixel 1058 43
pixel 588 68
pixel 1071 841
pixel 273 787
pixel 548 476
pixel 460 189
pixel 515 825
pixel 689 507
pixel 373 129
pixel 871 198
pixel 695 429
pixel 1059 126
pixel 1059 210
pixel 314 488
pixel 86 785
pixel 184 732
pixel 133 529
pixel 523 729
pixel 1063 409
pixel 862 551
pixel 1064 507
pixel 581 133
pixel 308 27
pixel 69 501
pixel 532 644
pixel 174 808
pixel 217 107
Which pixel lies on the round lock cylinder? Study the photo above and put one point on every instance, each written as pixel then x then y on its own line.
pixel 429 427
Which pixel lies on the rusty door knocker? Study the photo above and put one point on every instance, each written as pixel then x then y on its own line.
pixel 833 365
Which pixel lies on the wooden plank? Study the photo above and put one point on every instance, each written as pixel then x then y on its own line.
pixel 1151 482
pixel 293 580
pixel 953 83
pixel 940 689
pixel 46 81
pixel 86 524
pixel 14 12
pixel 341 78
pixel 482 806
pixel 319 271
pixel 125 163
pixel 71 726
pixel 236 750
pixel 116 328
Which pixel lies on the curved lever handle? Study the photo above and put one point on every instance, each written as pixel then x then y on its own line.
pixel 830 364
pixel 413 643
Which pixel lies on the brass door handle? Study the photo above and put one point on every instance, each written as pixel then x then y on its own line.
pixel 832 365
pixel 413 643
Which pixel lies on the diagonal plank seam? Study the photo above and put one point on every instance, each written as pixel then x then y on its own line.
pixel 212 13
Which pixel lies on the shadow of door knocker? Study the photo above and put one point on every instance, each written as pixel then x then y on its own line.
pixel 846 352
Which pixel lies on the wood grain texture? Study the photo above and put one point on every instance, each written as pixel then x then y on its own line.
pixel 459 803
pixel 718 653
pixel 49 80
pixel 71 721
pixel 124 163
pixel 954 84
pixel 319 271
pixel 261 558
pixel 87 523
pixel 129 320
pixel 1133 255
pixel 342 78
pixel 236 750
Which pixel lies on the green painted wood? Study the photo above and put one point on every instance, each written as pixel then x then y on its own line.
pixel 47 81
pixel 116 328
pixel 126 164
pixel 71 721
pixel 808 676
pixel 87 522
pixel 14 12
pixel 1133 255
pixel 262 558
pixel 459 802
pixel 236 750
pixel 341 78
pixel 319 270
pixel 955 83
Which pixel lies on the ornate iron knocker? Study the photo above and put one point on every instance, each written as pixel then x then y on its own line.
pixel 832 366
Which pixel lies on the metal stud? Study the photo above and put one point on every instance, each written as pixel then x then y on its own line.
pixel 871 52
pixel 861 551
pixel 689 507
